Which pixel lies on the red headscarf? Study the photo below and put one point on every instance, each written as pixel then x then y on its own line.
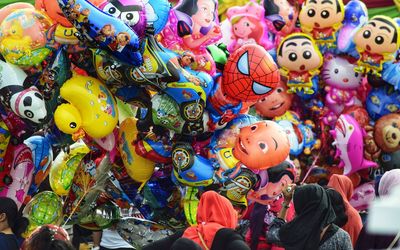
pixel 214 212
pixel 344 186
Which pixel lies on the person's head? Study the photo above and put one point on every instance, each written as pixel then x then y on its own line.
pixel 48 237
pixel 321 13
pixel 107 30
pixel 187 58
pixel 10 217
pixel 123 38
pixel 388 182
pixel 338 206
pixel 343 185
pixel 202 12
pixel 309 197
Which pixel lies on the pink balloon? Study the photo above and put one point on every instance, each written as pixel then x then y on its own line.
pixel 6 10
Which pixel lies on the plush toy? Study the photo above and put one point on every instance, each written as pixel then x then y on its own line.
pixel 300 60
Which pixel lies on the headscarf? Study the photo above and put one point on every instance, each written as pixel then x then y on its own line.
pixel 388 181
pixel 344 186
pixel 214 212
pixel 313 213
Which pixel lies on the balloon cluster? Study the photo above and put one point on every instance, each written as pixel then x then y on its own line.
pixel 141 105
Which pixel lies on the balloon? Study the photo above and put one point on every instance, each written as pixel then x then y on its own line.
pixel 131 12
pixel 349 144
pixel 64 167
pixel 44 208
pixel 382 101
pixel 138 168
pixel 91 108
pixel 363 195
pixel 387 133
pixel 276 104
pixel 8 9
pixel 26 102
pixel 4 140
pixel 23 40
pixel 322 21
pixel 373 50
pixel 300 63
pixel 390 161
pixel 97 27
pixel 157 13
pixel 20 168
pixel 103 216
pixel 42 155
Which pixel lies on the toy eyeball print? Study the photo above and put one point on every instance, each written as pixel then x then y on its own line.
pixel 376 42
pixel 262 145
pixel 322 18
pixel 387 133
pixel 300 59
pixel 250 74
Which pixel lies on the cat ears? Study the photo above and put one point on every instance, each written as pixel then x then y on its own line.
pixel 251 9
pixel 330 56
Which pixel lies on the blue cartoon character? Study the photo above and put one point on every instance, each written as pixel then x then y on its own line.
pixel 382 101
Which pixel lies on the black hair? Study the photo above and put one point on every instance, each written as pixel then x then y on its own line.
pixel 277 172
pixel 338 206
pixel 394 40
pixel 190 7
pixel 15 220
pixel 270 7
pixel 44 240
pixel 291 38
pixel 338 7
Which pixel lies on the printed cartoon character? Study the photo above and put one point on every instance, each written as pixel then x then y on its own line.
pixel 15 43
pixel 277 103
pixel 376 42
pixel 382 101
pixel 249 75
pixel 247 25
pixel 106 34
pixel 131 12
pixel 387 133
pixel 322 19
pixel 271 183
pixel 341 82
pixel 300 60
pixel 281 17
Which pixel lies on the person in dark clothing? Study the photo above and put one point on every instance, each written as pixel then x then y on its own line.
pixel 338 207
pixel 12 224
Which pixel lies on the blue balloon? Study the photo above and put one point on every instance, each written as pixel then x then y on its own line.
pixel 382 101
pixel 157 13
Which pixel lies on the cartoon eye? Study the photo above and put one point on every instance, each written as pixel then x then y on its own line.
pixel 336 71
pixel 112 10
pixel 243 64
pixel 392 108
pixel 311 12
pixel 38 95
pixel 367 34
pixel 292 57
pixel 379 40
pixel 350 127
pixel 279 90
pixel 130 18
pixel 307 54
pixel 356 74
pixel 263 146
pixel 394 125
pixel 28 113
pixel 260 89
pixel 247 24
pixel 253 128
pixel 375 100
pixel 325 14
pixel 72 125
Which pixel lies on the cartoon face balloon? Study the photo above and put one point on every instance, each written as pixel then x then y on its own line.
pixel 276 104
pixel 382 101
pixel 250 74
pixel 282 14
pixel 387 133
pixel 262 145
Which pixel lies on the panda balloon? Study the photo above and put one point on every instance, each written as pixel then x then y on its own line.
pixel 25 101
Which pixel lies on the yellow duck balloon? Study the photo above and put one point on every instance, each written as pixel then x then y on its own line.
pixel 91 110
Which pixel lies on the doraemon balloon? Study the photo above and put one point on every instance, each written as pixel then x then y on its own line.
pixel 26 102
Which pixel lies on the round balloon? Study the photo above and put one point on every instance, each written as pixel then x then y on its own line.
pixel 6 10
pixel 387 133
pixel 91 108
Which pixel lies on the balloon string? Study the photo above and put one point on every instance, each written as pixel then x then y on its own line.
pixel 75 208
pixel 311 168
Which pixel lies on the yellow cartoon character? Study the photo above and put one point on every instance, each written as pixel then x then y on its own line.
pixel 15 45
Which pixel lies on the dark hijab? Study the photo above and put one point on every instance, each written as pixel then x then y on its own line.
pixel 313 213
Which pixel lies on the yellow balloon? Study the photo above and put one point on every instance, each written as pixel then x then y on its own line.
pixel 64 167
pixel 4 140
pixel 92 108
pixel 138 168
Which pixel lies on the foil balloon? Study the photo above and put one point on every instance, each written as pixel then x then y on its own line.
pixel 91 109
pixel 44 208
pixel 20 166
pixel 64 167
pixel 131 12
pixel 349 144
pixel 25 101
pixel 4 140
pixel 103 216
pixel 6 10
pixel 108 32
pixel 138 168
pixel 390 161
pixel 382 101
pixel 387 132
pixel 300 60
pixel 375 45
pixel 157 13
pixel 23 40
pixel 363 196
pixel 42 155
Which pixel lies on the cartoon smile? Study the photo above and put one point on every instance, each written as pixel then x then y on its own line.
pixel 242 147
pixel 316 25
pixel 368 48
pixel 277 106
pixel 208 20
pixel 303 67
pixel 390 137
